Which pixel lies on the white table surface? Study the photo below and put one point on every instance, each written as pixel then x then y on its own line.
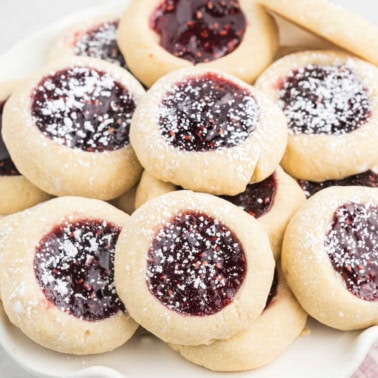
pixel 20 18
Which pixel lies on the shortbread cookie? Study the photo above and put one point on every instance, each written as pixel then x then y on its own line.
pixel 235 36
pixel 94 38
pixel 150 187
pixel 192 268
pixel 330 101
pixel 368 178
pixel 272 201
pixel 57 277
pixel 67 128
pixel 208 131
pixel 126 202
pixel 330 257
pixel 16 192
pixel 279 325
pixel 330 21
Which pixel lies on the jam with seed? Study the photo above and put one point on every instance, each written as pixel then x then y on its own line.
pixel 199 30
pixel 352 246
pixel 324 100
pixel 196 264
pixel 368 178
pixel 83 108
pixel 258 198
pixel 101 43
pixel 74 266
pixel 7 167
pixel 206 113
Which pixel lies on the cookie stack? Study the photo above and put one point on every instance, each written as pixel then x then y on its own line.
pixel 215 169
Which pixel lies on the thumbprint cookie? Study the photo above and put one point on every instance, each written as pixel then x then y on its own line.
pixel 331 21
pixel 16 192
pixel 57 276
pixel 208 131
pixel 279 325
pixel 330 101
pixel 235 36
pixel 330 257
pixel 192 268
pixel 67 128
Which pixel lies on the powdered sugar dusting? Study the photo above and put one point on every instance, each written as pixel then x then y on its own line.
pixel 195 264
pixel 352 246
pixel 84 108
pixel 327 99
pixel 74 265
pixel 101 42
pixel 207 112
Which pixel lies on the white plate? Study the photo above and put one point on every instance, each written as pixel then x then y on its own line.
pixel 323 353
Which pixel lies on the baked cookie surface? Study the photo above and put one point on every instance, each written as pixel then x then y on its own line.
pixel 331 264
pixel 192 268
pixel 57 276
pixel 330 101
pixel 196 128
pixel 67 128
pixel 237 37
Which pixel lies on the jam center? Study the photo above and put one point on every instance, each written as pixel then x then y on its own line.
pixel 257 199
pixel 101 43
pixel 273 290
pixel 368 178
pixel 324 100
pixel 7 167
pixel 207 113
pixel 352 246
pixel 199 30
pixel 83 108
pixel 74 266
pixel 195 265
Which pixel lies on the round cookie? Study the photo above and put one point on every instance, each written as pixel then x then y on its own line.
pixel 177 140
pixel 368 178
pixel 330 102
pixel 57 277
pixel 94 38
pixel 67 128
pixel 126 202
pixel 332 22
pixel 16 192
pixel 330 257
pixel 192 268
pixel 237 37
pixel 272 201
pixel 279 325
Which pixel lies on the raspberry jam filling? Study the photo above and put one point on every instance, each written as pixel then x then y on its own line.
pixel 195 265
pixel 199 30
pixel 74 266
pixel 368 178
pixel 206 113
pixel 83 108
pixel 258 198
pixel 273 290
pixel 101 43
pixel 7 167
pixel 352 246
pixel 324 100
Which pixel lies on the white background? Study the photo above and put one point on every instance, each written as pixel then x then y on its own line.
pixel 20 18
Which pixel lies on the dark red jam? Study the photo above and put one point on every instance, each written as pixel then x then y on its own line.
pixel 7 167
pixel 195 265
pixel 352 246
pixel 83 108
pixel 199 30
pixel 324 100
pixel 258 198
pixel 273 290
pixel 74 266
pixel 101 43
pixel 206 113
pixel 368 178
